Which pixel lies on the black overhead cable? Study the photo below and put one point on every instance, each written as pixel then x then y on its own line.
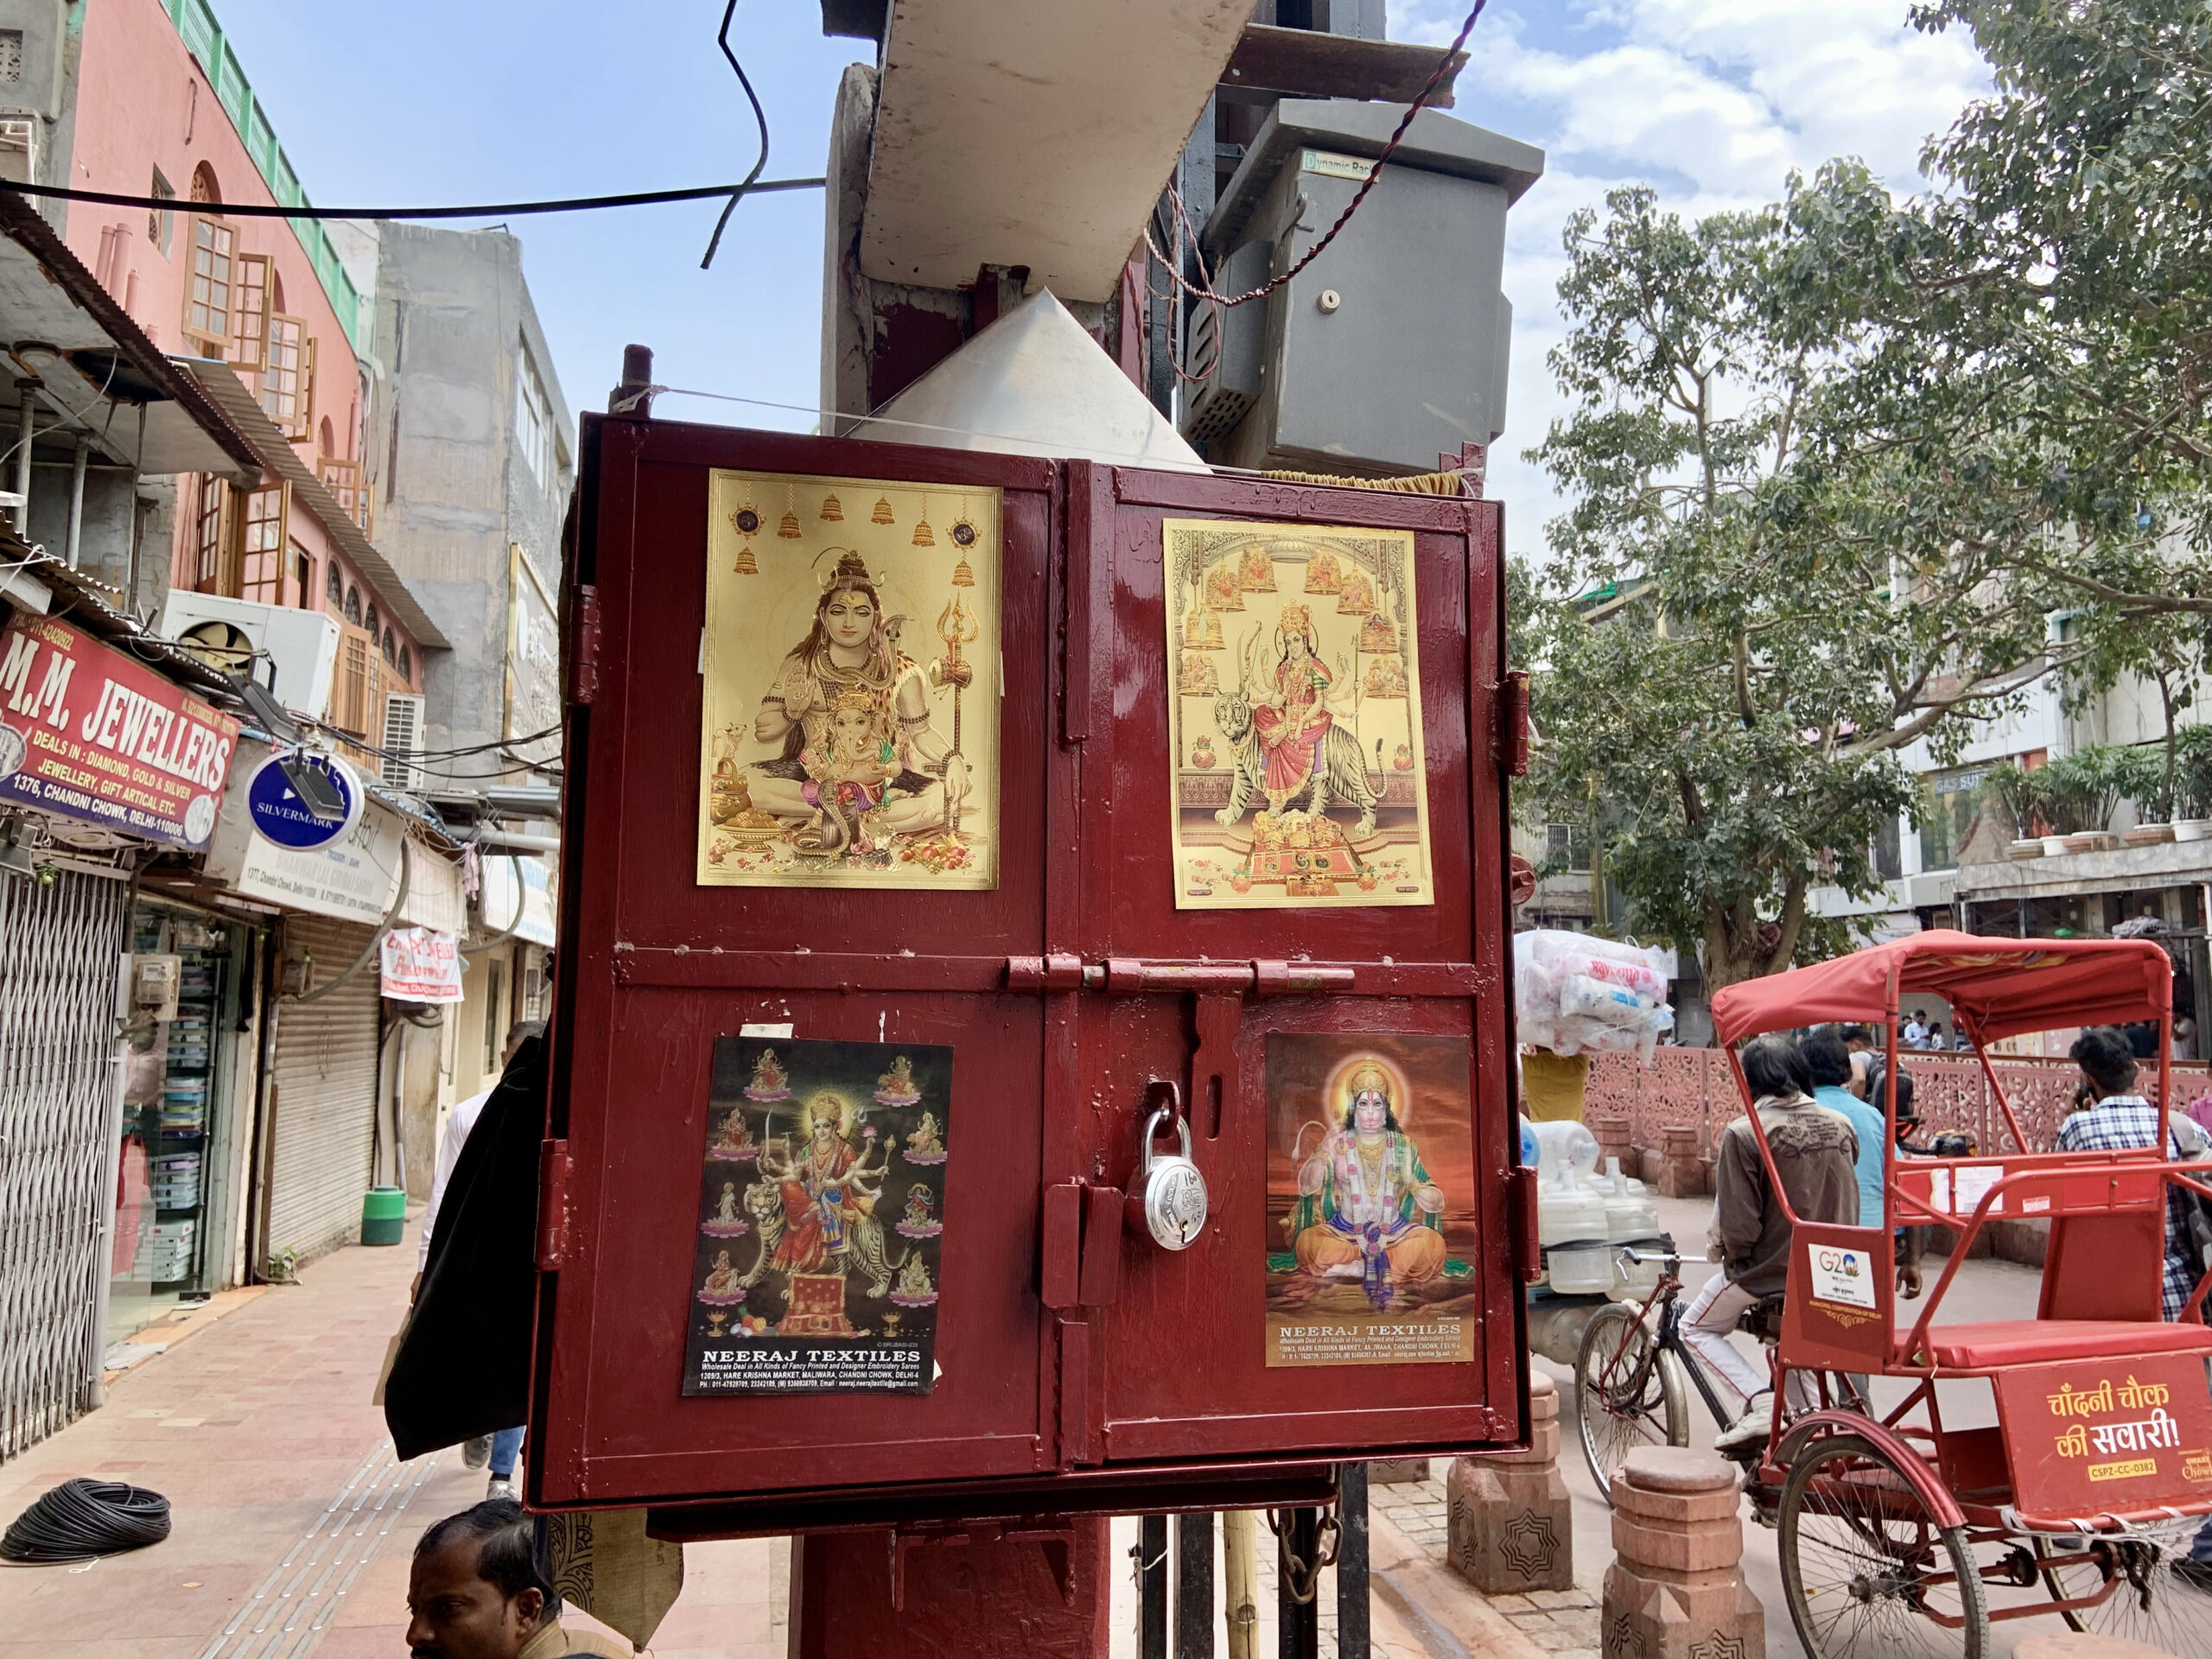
pixel 487 210
pixel 721 39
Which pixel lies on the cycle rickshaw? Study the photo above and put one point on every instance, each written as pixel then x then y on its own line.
pixel 1903 1535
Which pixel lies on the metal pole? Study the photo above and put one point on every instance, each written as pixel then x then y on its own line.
pixel 1351 1562
pixel 1152 1588
pixel 77 495
pixel 1194 1586
pixel 1240 1583
pixel 26 428
pixel 1297 1624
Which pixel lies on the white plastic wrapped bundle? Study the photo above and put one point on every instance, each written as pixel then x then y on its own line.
pixel 1577 994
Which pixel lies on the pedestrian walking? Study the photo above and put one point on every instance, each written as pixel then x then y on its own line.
pixel 476 1592
pixel 501 1449
pixel 1914 1034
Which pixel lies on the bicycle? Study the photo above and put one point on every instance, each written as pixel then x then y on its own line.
pixel 1628 1373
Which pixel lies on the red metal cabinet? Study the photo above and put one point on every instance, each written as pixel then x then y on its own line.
pixel 1081 1368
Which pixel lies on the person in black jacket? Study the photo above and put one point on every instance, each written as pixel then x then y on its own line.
pixel 463 1365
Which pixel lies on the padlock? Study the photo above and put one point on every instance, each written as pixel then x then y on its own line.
pixel 1168 1194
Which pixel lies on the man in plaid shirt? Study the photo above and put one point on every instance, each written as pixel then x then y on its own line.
pixel 2119 1120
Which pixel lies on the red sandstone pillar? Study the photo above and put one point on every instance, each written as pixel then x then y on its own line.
pixel 1676 1589
pixel 1509 1523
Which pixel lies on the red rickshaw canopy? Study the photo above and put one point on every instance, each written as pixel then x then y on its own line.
pixel 2001 986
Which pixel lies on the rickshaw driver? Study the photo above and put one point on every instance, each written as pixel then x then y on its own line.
pixel 1816 1155
pixel 2117 1119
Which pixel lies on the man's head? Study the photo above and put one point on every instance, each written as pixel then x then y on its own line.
pixel 1773 1065
pixel 2106 1060
pixel 520 1033
pixel 1825 1058
pixel 475 1591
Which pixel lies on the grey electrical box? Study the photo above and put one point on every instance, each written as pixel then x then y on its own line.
pixel 1392 348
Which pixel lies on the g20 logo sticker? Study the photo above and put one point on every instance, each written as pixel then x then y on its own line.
pixel 1840 1275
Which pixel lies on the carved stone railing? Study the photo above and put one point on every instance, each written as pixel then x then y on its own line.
pixel 1685 1087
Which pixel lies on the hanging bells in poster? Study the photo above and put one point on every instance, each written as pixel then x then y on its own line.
pixel 833 510
pixel 746 521
pixel 882 515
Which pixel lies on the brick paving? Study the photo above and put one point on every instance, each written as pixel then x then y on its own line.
pixel 1564 1622
pixel 292 1522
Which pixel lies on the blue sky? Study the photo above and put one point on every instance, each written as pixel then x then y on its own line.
pixel 1712 101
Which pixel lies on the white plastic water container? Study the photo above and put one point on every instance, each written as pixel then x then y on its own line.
pixel 1569 1212
pixel 1630 1210
pixel 1564 1143
pixel 1581 1269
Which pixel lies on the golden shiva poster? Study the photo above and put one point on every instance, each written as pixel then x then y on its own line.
pixel 851 662
pixel 1371 1200
pixel 1294 721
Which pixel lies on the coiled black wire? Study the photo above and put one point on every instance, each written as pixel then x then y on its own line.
pixel 80 1519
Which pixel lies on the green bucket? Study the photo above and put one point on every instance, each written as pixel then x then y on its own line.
pixel 383 1213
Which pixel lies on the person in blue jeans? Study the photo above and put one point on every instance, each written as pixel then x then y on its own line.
pixel 1828 1058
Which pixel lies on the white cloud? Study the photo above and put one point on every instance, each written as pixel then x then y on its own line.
pixel 1713 102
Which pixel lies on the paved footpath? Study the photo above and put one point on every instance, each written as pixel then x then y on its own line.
pixel 293 1524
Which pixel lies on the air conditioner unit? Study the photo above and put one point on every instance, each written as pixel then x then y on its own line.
pixel 241 636
pixel 402 736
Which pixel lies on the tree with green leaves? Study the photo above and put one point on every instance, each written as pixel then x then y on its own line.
pixel 1744 619
pixel 2036 332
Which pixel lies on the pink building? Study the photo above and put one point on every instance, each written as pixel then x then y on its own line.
pixel 269 319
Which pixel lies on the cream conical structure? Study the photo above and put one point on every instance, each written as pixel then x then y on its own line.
pixel 1034 384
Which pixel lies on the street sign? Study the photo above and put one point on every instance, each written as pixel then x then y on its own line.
pixel 278 814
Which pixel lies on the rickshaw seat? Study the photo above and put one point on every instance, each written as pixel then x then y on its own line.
pixel 1996 1343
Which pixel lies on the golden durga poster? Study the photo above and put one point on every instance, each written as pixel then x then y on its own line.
pixel 1294 717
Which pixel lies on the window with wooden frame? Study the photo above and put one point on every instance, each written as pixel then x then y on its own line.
pixel 343 479
pixel 249 310
pixel 351 712
pixel 265 532
pixel 288 377
pixel 211 537
pixel 209 293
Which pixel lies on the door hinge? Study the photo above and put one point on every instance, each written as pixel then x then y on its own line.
pixel 553 1164
pixel 1521 1217
pixel 583 648
pixel 1513 724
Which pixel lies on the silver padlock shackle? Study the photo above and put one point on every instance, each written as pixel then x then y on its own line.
pixel 1163 1095
pixel 1152 1128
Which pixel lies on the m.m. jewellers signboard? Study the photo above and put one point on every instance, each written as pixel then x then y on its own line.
pixel 89 734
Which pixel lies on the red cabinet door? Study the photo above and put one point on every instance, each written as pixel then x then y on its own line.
pixel 1179 1359
pixel 654 966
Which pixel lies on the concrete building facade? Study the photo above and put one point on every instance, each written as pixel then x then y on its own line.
pixel 470 466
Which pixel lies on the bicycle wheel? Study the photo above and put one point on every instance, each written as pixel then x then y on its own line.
pixel 1865 1567
pixel 1628 1392
pixel 2148 1595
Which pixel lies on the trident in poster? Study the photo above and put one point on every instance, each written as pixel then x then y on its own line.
pixel 956 627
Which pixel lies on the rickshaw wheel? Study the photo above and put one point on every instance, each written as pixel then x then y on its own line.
pixel 1865 1563
pixel 2151 1602
pixel 1625 1395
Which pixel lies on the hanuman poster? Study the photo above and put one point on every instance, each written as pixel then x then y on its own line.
pixel 1371 1200
pixel 1294 718
pixel 851 668
pixel 820 1213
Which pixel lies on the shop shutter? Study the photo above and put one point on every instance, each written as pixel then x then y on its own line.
pixel 325 1078
pixel 59 943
